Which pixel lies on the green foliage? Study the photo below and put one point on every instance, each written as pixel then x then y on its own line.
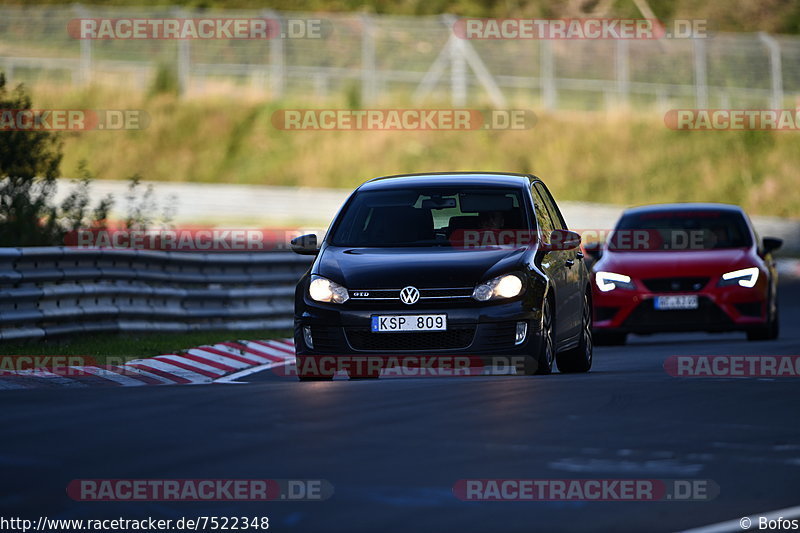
pixel 29 167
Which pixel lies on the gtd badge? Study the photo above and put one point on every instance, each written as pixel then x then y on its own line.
pixel 409 295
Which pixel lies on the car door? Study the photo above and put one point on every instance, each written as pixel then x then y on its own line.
pixel 552 264
pixel 571 291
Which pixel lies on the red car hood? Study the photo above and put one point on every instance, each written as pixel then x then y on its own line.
pixel 670 263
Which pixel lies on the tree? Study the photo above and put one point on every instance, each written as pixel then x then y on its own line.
pixel 29 166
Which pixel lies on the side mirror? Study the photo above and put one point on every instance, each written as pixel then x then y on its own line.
pixel 305 244
pixel 770 244
pixel 561 239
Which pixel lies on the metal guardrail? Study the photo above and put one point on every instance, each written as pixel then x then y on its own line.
pixel 55 291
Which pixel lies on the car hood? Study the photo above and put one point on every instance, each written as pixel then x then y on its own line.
pixel 670 263
pixel 374 268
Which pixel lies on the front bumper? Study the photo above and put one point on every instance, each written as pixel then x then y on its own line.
pixel 729 308
pixel 471 330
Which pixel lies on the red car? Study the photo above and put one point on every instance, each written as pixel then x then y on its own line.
pixel 684 267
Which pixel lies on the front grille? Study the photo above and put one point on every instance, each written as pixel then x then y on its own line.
pixel 691 284
pixel 749 309
pixel 392 296
pixel 707 315
pixel 365 340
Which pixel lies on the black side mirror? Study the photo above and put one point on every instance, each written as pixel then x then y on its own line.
pixel 770 244
pixel 561 239
pixel 305 244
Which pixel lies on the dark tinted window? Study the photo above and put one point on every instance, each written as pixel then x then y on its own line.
pixel 543 218
pixel 555 214
pixel 680 230
pixel 425 216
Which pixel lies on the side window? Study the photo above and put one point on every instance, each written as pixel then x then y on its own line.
pixel 542 215
pixel 555 214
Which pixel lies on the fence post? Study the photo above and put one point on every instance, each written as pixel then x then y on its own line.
pixel 776 69
pixel 458 74
pixel 700 74
pixel 622 64
pixel 368 60
pixel 547 74
pixel 85 68
pixel 277 68
pixel 433 74
pixel 183 60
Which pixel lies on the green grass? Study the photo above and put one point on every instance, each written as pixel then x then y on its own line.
pixel 624 158
pixel 117 348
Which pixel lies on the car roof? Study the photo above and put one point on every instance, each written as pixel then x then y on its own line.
pixel 685 206
pixel 505 179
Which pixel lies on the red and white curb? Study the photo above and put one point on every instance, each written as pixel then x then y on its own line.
pixel 222 363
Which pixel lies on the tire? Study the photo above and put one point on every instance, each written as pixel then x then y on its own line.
pixel 602 338
pixel 579 359
pixel 541 362
pixel 770 330
pixel 315 378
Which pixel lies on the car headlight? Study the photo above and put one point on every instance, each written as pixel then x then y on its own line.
pixel 324 290
pixel 608 281
pixel 500 287
pixel 746 277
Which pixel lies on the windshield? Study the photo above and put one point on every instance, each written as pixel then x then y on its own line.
pixel 680 230
pixel 426 216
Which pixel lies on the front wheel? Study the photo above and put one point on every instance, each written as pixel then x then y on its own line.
pixel 768 331
pixel 542 361
pixel 579 359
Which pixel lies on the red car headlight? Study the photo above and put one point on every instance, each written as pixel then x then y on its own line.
pixel 746 277
pixel 608 281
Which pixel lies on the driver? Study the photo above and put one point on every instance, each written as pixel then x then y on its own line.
pixel 492 220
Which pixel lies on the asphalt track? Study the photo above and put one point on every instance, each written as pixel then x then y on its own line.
pixel 394 448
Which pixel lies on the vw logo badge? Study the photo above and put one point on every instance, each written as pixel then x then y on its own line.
pixel 409 295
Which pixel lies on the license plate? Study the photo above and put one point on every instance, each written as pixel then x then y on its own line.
pixel 669 303
pixel 384 323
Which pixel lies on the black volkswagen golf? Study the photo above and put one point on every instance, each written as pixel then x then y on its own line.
pixel 441 264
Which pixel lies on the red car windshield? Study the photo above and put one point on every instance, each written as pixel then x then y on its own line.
pixel 680 230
